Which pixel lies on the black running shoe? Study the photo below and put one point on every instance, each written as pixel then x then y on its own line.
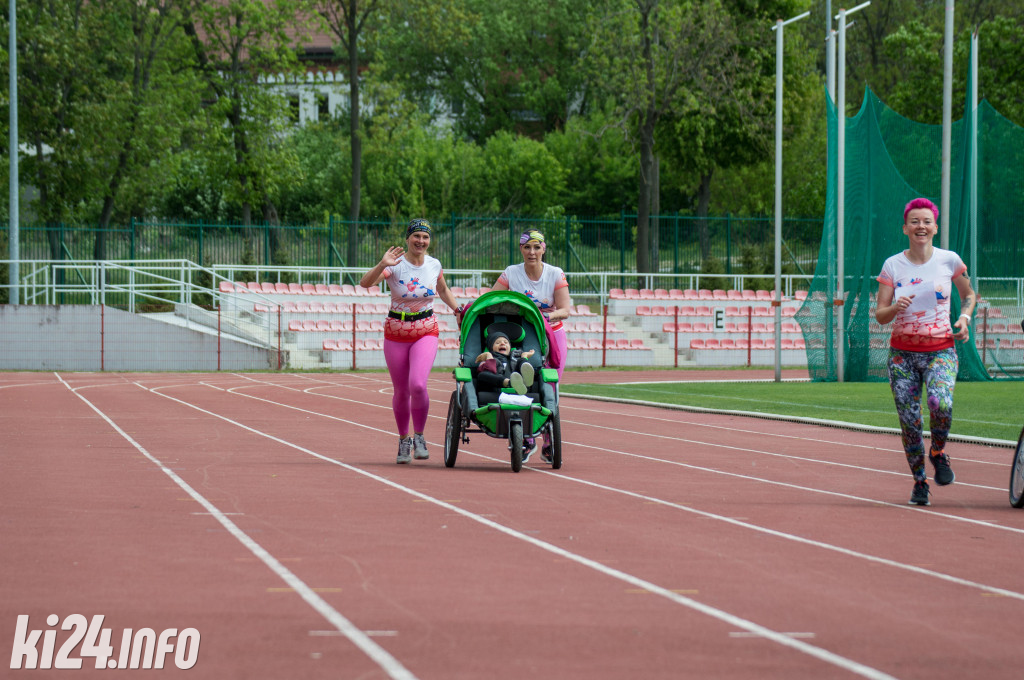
pixel 920 495
pixel 943 473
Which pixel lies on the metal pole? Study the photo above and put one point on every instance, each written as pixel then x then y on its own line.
pixel 13 274
pixel 830 66
pixel 777 302
pixel 841 192
pixel 947 115
pixel 974 162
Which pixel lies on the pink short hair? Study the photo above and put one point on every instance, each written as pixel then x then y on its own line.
pixel 918 203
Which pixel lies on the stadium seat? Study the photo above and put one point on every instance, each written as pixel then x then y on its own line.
pixel 800 295
pixel 227 287
pixel 637 343
pixel 684 327
pixel 704 294
pixel 345 344
pixel 734 294
pixel 701 327
pixel 646 294
pixel 254 287
pixel 322 289
pixel 295 289
pixel 712 343
pixel 632 294
pixel 764 295
pixel 749 295
pixel 659 310
pixel 691 294
pixel 787 343
pixel 728 343
pixel 281 288
pixel 622 343
pixel 472 292
pixel 348 289
pixel 330 345
pixel 323 325
pixel 741 343
pixel 643 310
pixel 676 294
pixel 335 289
pixel 719 294
pixel 702 311
pixel 617 294
pixel 584 310
pixel 696 343
pixel 309 325
pixel 295 325
pixel 668 327
pixel 661 294
pixel 594 344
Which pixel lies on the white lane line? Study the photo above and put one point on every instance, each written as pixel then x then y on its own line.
pixel 730 520
pixel 388 663
pixel 713 612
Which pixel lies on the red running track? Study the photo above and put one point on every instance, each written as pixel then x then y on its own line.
pixel 266 512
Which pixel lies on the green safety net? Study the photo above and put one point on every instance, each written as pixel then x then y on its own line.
pixel 891 160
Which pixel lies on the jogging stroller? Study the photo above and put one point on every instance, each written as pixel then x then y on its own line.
pixel 515 315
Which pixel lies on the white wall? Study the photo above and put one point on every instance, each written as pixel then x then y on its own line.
pixel 93 338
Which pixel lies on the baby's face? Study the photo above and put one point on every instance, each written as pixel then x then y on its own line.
pixel 501 346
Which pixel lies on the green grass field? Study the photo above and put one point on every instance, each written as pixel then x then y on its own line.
pixel 994 410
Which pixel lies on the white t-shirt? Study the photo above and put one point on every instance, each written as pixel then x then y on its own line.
pixel 413 290
pixel 924 326
pixel 542 291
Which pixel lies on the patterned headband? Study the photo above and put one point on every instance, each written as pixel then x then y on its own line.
pixel 532 235
pixel 418 224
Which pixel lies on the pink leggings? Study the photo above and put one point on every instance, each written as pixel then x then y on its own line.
pixel 562 339
pixel 409 364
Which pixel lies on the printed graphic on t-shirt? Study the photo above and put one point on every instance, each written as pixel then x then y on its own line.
pixel 927 317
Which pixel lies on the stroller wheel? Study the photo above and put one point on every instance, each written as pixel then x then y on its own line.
pixel 515 444
pixel 453 430
pixel 555 439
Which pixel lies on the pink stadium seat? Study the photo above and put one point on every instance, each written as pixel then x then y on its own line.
pixel 584 310
pixel 719 294
pixel 345 344
pixel 1017 344
pixel 334 289
pixel 322 289
pixel 661 294
pixel 374 291
pixel 632 294
pixel 687 311
pixel 734 294
pixel 728 344
pixel 668 328
pixel 616 294
pixel 764 295
pixel 323 325
pixel 799 344
pixel 362 292
pixel 684 327
pixel 594 344
pixel 295 325
pixel 622 343
pixel 363 326
pixel 643 310
pixel 348 289
pixel 730 327
pixel 762 311
pixel 301 307
pixel 769 343
pixel 787 343
pixel 741 343
pixel 254 287
pixel 659 310
pixel 472 291
pixel 800 295
pixel 696 343
pixel 295 289
pixel 227 287
pixel 637 343
pixel 712 343
pixel 309 325
pixel 609 344
pixel 646 294
pixel 701 327
pixel 704 294
pixel 330 345
pixel 376 325
pixel 281 288
pixel 757 343
pixel 339 326
pixel 732 311
pixel 749 295
pixel 761 328
pixel 316 308
pixel 702 311
pixel 676 294
pixel 997 328
pixel 789 311
pixel 458 291
pixel 691 294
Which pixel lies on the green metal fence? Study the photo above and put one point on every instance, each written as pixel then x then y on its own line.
pixel 679 243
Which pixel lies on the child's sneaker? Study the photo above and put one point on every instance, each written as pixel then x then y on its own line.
pixel 527 371
pixel 419 447
pixel 530 447
pixel 517 383
pixel 404 450
pixel 943 472
pixel 920 494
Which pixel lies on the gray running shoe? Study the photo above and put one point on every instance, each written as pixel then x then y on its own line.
pixel 920 494
pixel 943 472
pixel 419 447
pixel 404 450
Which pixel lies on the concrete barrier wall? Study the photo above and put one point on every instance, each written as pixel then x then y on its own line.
pixel 93 338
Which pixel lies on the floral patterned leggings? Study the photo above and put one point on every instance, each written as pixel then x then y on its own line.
pixel 936 371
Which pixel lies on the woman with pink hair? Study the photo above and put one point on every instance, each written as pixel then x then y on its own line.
pixel 915 290
pixel 411 331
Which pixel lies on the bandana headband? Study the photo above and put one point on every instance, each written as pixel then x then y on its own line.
pixel 532 235
pixel 417 225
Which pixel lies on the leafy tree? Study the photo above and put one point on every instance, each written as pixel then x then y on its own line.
pixel 668 58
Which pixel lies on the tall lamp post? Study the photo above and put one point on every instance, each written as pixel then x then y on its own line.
pixel 841 190
pixel 12 232
pixel 777 302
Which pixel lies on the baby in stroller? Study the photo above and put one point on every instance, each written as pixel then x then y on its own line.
pixel 502 367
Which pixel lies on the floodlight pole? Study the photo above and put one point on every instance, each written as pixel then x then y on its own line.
pixel 777 302
pixel 13 275
pixel 974 162
pixel 841 190
pixel 947 116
